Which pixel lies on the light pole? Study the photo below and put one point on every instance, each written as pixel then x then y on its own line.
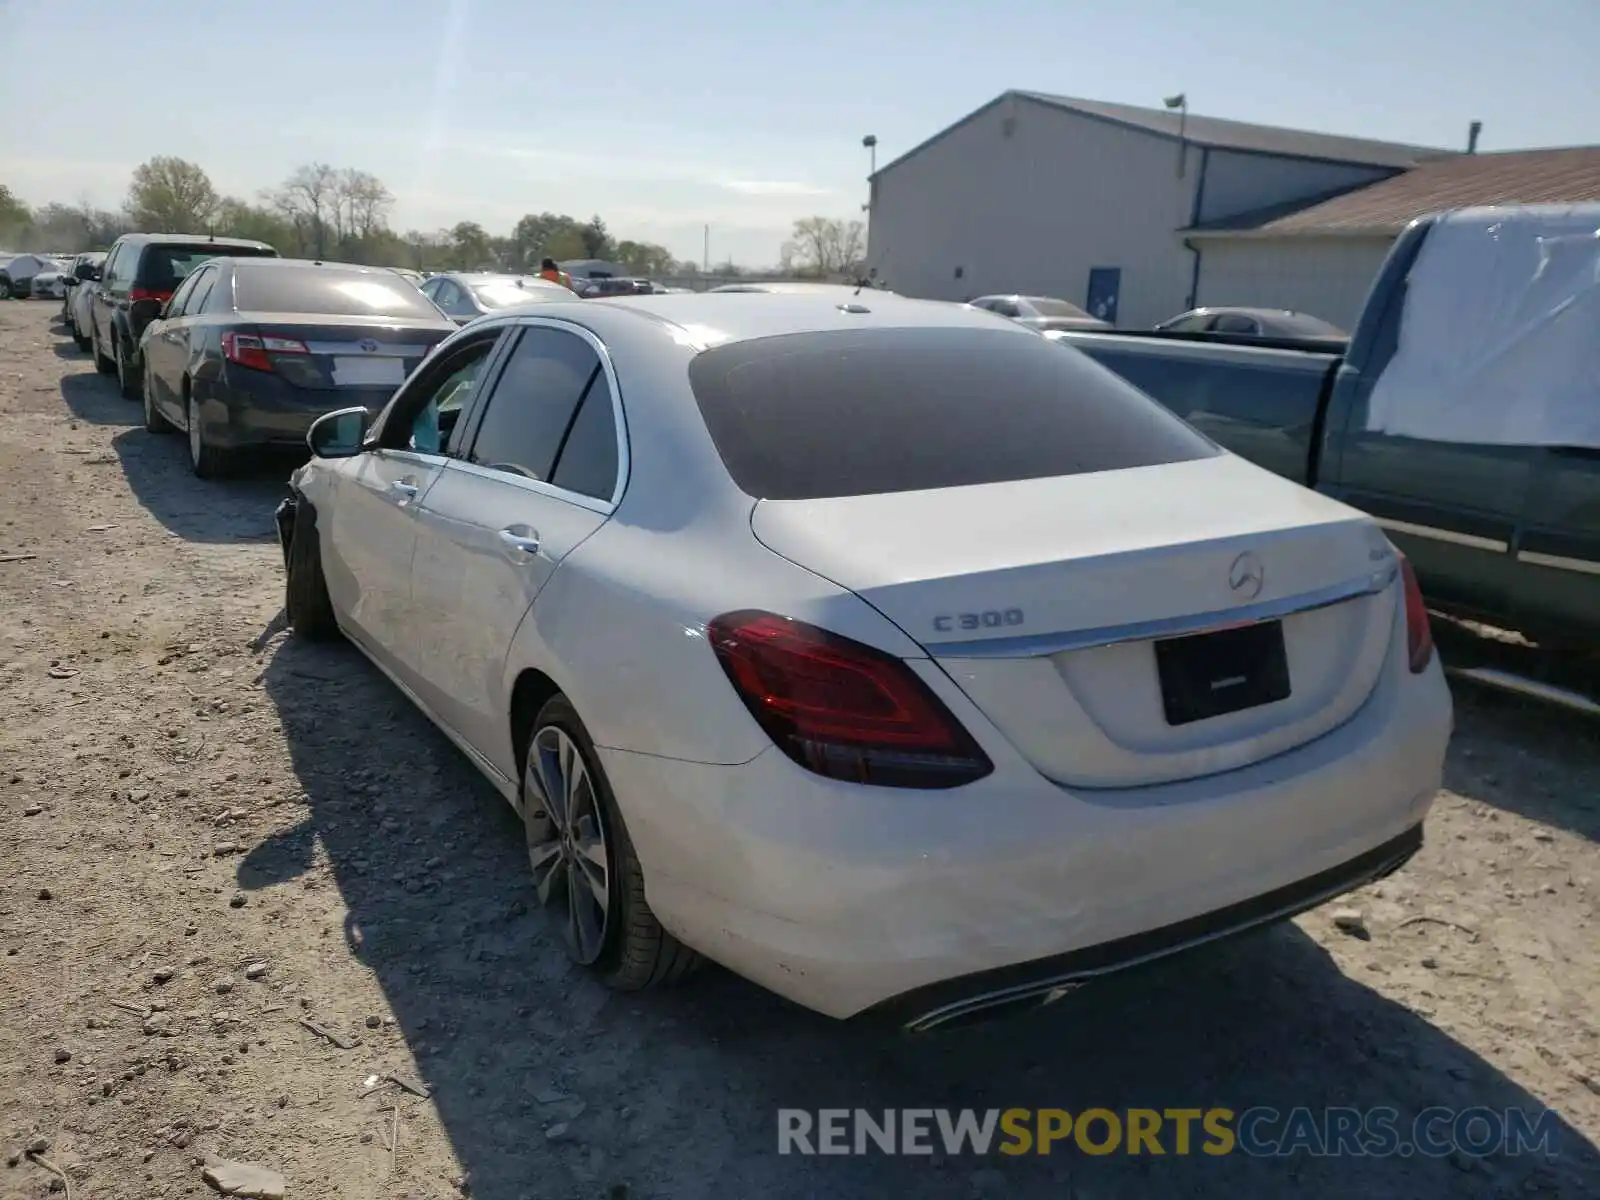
pixel 871 143
pixel 1181 103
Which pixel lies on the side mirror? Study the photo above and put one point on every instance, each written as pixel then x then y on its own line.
pixel 339 434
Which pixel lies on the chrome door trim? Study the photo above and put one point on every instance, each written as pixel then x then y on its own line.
pixel 1434 533
pixel 1043 644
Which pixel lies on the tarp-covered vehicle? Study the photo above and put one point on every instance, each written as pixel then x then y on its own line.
pixel 1465 414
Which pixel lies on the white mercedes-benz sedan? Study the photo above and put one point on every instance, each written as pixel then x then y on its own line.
pixel 896 658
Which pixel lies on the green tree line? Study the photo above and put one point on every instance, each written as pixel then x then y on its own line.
pixel 322 211
pixel 319 211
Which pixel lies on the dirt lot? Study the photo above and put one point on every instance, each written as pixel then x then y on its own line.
pixel 209 832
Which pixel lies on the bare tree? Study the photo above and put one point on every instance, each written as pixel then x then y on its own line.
pixel 308 199
pixel 825 246
pixel 366 203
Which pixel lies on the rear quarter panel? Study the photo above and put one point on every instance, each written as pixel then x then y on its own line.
pixel 621 629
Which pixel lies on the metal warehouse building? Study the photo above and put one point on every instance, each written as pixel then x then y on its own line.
pixel 1125 210
pixel 1320 256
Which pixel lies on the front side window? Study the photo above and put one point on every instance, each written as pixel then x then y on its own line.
pixel 429 407
pixel 534 406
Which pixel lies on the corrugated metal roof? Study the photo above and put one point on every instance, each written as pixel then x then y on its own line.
pixel 1239 135
pixel 1559 176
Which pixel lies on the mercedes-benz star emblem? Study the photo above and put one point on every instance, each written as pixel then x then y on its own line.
pixel 369 345
pixel 1247 576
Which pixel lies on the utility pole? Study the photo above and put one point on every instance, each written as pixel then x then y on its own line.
pixel 707 250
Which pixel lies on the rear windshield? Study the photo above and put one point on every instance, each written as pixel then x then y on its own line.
pixel 163 268
pixel 329 292
pixel 853 413
pixel 1047 307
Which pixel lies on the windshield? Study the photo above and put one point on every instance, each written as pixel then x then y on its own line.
pixel 1295 324
pixel 1046 307
pixel 503 293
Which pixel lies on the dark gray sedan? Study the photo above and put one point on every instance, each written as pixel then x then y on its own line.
pixel 248 352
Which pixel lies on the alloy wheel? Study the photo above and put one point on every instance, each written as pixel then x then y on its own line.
pixel 566 836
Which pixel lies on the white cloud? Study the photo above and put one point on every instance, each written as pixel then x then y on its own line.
pixel 774 187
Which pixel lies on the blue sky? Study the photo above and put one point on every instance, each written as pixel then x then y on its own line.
pixel 664 118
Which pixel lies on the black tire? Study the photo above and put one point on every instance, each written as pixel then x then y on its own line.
pixel 638 953
pixel 305 589
pixel 206 460
pixel 101 363
pixel 7 290
pixel 154 422
pixel 127 378
pixel 83 343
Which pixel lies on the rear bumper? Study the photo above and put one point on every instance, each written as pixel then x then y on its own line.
pixel 1046 980
pixel 932 905
pixel 240 412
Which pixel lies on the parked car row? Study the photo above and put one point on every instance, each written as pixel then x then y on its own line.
pixel 19 273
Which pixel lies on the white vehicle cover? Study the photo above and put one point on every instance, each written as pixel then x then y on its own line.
pixel 1500 335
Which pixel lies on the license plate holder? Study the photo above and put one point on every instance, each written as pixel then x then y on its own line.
pixel 368 371
pixel 1206 675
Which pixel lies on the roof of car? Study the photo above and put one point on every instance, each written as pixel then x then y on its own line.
pixel 795 287
pixel 712 319
pixel 501 277
pixel 191 239
pixel 291 264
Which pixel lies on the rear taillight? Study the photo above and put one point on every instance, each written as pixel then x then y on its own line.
pixel 843 709
pixel 135 294
pixel 250 350
pixel 1419 633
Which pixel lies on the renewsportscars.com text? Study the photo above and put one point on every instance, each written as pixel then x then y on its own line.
pixel 1258 1132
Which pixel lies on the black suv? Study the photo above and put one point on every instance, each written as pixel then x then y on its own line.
pixel 139 276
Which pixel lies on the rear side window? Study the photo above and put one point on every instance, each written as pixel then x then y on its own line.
pixel 326 292
pixel 853 413
pixel 529 413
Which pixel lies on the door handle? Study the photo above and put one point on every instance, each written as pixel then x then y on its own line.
pixel 405 489
pixel 519 539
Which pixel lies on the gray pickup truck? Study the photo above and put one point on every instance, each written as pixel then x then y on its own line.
pixel 1506 534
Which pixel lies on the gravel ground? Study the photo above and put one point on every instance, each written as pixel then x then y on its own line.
pixel 211 835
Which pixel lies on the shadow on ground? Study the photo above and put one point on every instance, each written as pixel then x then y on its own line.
pixel 236 509
pixel 93 399
pixel 682 1087
pixel 1528 756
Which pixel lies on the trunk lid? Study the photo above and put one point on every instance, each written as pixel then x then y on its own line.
pixel 1070 610
pixel 346 353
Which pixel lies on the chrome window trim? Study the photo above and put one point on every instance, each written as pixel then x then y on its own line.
pixel 618 419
